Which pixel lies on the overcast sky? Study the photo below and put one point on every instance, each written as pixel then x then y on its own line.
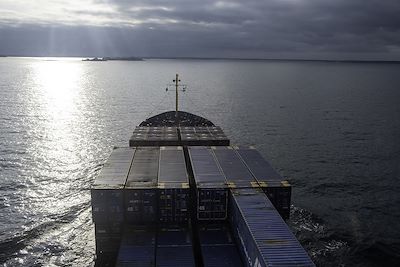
pixel 309 29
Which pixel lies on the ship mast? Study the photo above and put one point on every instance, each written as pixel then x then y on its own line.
pixel 176 94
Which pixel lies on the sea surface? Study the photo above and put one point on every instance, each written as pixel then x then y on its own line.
pixel 332 129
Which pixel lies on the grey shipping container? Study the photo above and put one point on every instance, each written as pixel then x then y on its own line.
pixel 173 186
pixel 263 237
pixel 137 247
pixel 141 186
pixel 154 136
pixel 174 247
pixel 107 189
pixel 211 188
pixel 203 136
pixel 274 186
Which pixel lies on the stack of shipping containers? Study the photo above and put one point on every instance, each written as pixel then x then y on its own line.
pixel 203 136
pixel 174 241
pixel 218 248
pixel 138 247
pixel 108 200
pixel 154 136
pixel 216 245
pixel 173 186
pixel 274 186
pixel 146 214
pixel 211 189
pixel 174 246
pixel 141 187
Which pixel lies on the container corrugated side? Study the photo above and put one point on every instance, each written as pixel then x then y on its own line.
pixel 107 189
pixel 173 186
pixel 264 238
pixel 212 191
pixel 140 192
pixel 275 186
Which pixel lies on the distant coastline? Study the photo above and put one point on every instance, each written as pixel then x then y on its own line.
pixel 131 58
pixel 113 58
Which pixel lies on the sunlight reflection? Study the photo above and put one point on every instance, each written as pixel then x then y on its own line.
pixel 57 94
pixel 58 83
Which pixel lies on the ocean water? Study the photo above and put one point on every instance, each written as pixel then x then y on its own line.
pixel 333 129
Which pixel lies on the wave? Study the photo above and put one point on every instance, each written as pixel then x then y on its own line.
pixel 11 246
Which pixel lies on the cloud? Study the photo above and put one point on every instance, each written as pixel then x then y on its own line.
pixel 254 28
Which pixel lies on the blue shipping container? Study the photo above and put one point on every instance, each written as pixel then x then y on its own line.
pixel 263 237
pixel 221 256
pixel 217 246
pixel 137 247
pixel 174 247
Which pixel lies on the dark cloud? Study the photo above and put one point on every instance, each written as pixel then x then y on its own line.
pixel 350 29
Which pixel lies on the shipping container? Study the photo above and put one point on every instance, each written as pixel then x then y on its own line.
pixel 107 189
pixel 221 256
pixel 173 256
pixel 236 173
pixel 108 230
pixel 218 247
pixel 173 186
pixel 203 136
pixel 138 247
pixel 173 235
pixel 262 235
pixel 211 188
pixel 107 244
pixel 141 186
pixel 154 136
pixel 215 234
pixel 275 186
pixel 174 247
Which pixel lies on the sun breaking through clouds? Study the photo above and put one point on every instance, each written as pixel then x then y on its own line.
pixel 315 29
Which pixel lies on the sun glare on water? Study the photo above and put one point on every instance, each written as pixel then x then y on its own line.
pixel 57 96
pixel 58 82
